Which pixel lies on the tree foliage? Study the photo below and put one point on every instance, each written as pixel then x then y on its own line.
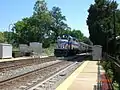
pixel 74 33
pixel 100 21
pixel 2 38
pixel 58 24
pixel 43 26
pixel 40 7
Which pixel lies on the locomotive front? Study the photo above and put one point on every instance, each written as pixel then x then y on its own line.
pixel 66 46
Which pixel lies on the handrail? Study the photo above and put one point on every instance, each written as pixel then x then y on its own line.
pixel 115 65
pixel 117 62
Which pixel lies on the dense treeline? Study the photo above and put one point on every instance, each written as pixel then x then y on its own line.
pixel 43 26
pixel 102 15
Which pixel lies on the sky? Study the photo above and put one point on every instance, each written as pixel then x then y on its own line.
pixel 75 11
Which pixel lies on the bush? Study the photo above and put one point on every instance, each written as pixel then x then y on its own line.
pixel 46 43
pixel 109 69
pixel 16 54
pixel 28 54
pixel 50 50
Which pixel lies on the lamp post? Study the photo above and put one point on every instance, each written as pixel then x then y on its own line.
pixel 9 31
pixel 9 26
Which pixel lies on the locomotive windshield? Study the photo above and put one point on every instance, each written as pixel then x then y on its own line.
pixel 65 37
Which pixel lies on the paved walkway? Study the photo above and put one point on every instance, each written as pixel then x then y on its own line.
pixel 83 78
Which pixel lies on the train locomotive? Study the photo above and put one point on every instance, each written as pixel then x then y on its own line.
pixel 69 46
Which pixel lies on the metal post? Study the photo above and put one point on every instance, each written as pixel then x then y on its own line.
pixel 9 32
pixel 99 82
pixel 106 45
pixel 119 85
pixel 114 30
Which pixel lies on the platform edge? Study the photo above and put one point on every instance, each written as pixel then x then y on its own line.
pixel 67 82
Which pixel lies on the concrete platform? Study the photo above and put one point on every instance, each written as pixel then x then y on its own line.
pixel 83 78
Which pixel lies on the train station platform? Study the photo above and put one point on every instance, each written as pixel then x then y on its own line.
pixel 84 77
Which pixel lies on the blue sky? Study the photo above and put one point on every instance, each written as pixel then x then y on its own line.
pixel 74 10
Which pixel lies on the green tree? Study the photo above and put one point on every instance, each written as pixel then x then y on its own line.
pixel 58 25
pixel 2 37
pixel 35 28
pixel 74 33
pixel 100 21
pixel 8 37
pixel 21 31
pixel 87 41
pixel 43 26
pixel 43 21
pixel 40 7
pixel 78 34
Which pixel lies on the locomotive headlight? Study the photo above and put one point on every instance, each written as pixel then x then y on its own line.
pixel 62 45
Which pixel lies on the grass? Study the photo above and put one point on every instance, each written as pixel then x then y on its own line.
pixel 15 49
pixel 49 51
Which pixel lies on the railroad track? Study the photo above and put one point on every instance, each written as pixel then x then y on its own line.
pixel 5 66
pixel 28 81
pixel 7 75
pixel 53 81
pixel 22 81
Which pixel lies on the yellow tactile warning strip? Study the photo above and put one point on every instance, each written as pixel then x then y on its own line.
pixel 70 79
